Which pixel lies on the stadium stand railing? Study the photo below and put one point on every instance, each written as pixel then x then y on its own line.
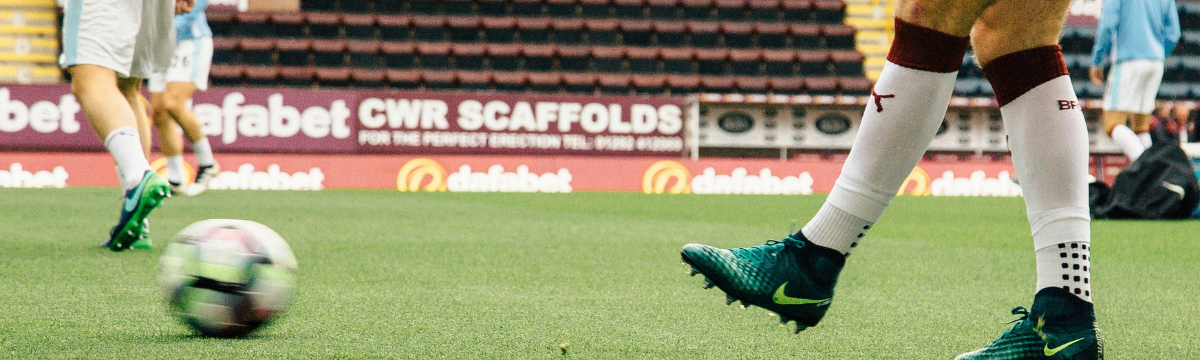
pixel 29 42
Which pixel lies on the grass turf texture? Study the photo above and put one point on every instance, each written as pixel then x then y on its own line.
pixel 385 274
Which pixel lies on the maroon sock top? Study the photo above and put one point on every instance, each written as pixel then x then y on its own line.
pixel 922 48
pixel 1014 74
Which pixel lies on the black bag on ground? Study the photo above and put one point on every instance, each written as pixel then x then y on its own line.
pixel 1158 185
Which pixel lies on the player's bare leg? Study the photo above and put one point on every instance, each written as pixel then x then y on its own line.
pixel 131 89
pixel 170 109
pixel 1015 42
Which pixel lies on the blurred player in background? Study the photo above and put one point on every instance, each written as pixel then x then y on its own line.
pixel 172 90
pixel 1138 35
pixel 108 48
pixel 1015 42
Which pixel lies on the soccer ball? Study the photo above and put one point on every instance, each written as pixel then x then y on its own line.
pixel 226 278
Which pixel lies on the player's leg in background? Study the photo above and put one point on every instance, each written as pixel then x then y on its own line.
pixel 1016 43
pixel 170 140
pixel 1116 125
pixel 1149 82
pixel 795 277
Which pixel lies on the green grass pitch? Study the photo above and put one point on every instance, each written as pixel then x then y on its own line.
pixel 385 274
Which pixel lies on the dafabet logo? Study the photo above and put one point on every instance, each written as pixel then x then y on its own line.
pixel 429 175
pixel 919 183
pixel 661 173
pixel 673 178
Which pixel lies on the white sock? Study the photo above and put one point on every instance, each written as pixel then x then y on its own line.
pixel 126 148
pixel 1050 152
pixel 907 110
pixel 203 151
pixel 1067 266
pixel 175 169
pixel 1145 138
pixel 1128 141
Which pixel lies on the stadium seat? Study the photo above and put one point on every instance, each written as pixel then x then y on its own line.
pixel 464 29
pixel 300 76
pixel 438 80
pixel 499 30
pixel 838 36
pixel 368 78
pixel 697 9
pixel 474 80
pixel 670 33
pixel 678 60
pixel 318 5
pixel 390 6
pixel 504 57
pixel 637 32
pixel 629 9
pixel 580 83
pixel 985 88
pixel 821 85
pixel 458 7
pixel 731 10
pixel 359 26
pixel 527 8
pixel 429 28
pixel 617 84
pixel 262 75
pixel 293 52
pixel 286 25
pixel 683 84
pixel 421 6
pixel 394 27
pixel 1077 40
pixel 738 35
pixel 846 62
pixel 829 11
pixel 1189 44
pixel 764 10
pixel 805 36
pixel 787 85
pixel 649 84
pixel 225 50
pixel 492 7
pixel 712 61
pixel 329 53
pixel 594 8
pixel 601 31
pixel 324 25
pixel 568 31
pixel 222 23
pixel 399 55
pixel 253 24
pixel 813 62
pixel 257 51
pixel 608 59
pixel 560 8
pixel 544 82
pixel 716 84
pixel 510 81
pixel 796 10
pixel 1190 68
pixel 538 57
pixel 969 68
pixel 469 56
pixel 643 60
pixel 771 35
pixel 745 61
pixel 404 79
pixel 573 58
pixel 362 54
pixel 967 87
pixel 703 34
pixel 225 75
pixel 533 31
pixel 356 6
pixel 1174 91
pixel 751 85
pixel 779 62
pixel 854 86
pixel 434 55
pixel 663 9
pixel 1189 14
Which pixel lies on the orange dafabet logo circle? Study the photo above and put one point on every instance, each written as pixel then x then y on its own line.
pixel 659 174
pixel 415 171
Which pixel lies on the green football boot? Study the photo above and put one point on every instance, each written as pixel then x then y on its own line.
pixel 138 203
pixel 1061 326
pixel 792 278
pixel 143 242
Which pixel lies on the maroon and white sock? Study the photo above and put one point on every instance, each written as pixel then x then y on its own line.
pixel 1049 143
pixel 907 106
